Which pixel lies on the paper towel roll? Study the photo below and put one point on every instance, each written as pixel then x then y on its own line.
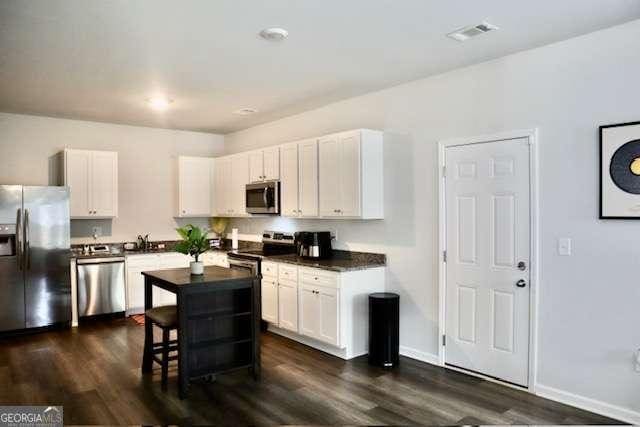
pixel 234 238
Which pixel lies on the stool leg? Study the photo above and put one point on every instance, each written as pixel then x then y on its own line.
pixel 147 358
pixel 165 357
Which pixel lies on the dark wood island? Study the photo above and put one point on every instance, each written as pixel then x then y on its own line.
pixel 218 318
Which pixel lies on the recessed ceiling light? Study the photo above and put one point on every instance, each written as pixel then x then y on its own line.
pixel 464 34
pixel 159 103
pixel 274 34
pixel 245 111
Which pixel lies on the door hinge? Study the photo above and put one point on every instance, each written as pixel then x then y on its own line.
pixel 444 256
pixel 444 340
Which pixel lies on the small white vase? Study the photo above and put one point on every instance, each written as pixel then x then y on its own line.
pixel 197 267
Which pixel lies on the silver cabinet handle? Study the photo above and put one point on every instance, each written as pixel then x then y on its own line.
pixel 521 283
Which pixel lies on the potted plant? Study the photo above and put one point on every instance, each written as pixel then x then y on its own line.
pixel 194 243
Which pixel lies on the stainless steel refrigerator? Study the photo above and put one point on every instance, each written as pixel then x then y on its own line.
pixel 35 286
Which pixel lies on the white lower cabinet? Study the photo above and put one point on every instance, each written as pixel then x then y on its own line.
pixel 216 258
pixel 288 305
pixel 269 300
pixel 324 309
pixel 136 264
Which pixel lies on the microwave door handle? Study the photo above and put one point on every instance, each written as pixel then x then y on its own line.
pixel 264 197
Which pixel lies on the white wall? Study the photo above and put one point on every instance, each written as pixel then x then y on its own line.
pixel 147 168
pixel 589 312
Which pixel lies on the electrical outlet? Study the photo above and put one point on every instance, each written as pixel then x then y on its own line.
pixel 636 361
pixel 334 234
pixel 96 231
pixel 564 246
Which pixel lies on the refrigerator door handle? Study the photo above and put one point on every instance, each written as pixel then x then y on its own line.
pixel 27 249
pixel 19 239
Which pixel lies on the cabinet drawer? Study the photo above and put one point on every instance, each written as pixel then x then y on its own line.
pixel 314 276
pixel 269 269
pixel 142 262
pixel 288 272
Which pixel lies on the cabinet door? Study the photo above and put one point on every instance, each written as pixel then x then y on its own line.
pixel 350 193
pixel 329 321
pixel 240 178
pixel 289 179
pixel 135 291
pixel 77 178
pixel 308 178
pixel 271 163
pixel 104 183
pixel 222 190
pixel 269 301
pixel 194 190
pixel 256 169
pixel 288 305
pixel 329 173
pixel 309 321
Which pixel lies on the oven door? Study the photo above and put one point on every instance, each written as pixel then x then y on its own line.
pixel 263 198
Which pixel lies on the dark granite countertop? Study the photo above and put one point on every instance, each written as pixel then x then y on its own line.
pixel 341 261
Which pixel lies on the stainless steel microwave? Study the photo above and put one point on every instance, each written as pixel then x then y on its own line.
pixel 263 198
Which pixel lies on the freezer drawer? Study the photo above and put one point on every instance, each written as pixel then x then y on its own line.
pixel 101 287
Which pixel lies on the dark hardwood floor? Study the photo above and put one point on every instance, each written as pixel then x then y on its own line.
pixel 94 372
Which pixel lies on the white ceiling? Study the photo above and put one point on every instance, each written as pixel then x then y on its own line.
pixel 100 60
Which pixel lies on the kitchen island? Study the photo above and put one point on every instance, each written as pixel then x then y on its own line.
pixel 218 321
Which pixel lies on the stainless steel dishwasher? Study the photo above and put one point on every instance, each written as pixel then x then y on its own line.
pixel 101 288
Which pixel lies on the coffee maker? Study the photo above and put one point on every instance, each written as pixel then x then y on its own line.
pixel 313 244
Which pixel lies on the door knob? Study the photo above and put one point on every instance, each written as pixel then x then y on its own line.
pixel 522 266
pixel 521 283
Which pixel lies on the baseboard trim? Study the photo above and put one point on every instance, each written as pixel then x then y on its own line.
pixel 588 404
pixel 422 356
pixel 581 402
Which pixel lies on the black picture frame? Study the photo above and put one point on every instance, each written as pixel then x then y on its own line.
pixel 601 216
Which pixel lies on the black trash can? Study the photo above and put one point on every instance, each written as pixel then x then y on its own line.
pixel 384 329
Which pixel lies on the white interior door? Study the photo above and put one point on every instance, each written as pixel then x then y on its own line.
pixel 487 190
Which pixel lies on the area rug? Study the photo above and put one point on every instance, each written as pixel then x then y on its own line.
pixel 138 318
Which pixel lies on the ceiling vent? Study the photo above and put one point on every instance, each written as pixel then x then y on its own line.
pixel 466 33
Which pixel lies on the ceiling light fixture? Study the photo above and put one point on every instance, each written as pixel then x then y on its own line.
pixel 274 34
pixel 245 111
pixel 464 34
pixel 159 103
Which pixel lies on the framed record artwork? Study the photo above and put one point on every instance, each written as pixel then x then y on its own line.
pixel 620 171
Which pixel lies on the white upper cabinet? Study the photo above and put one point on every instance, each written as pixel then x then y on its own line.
pixel 299 178
pixel 264 165
pixel 231 177
pixel 289 179
pixel 194 186
pixel 271 163
pixel 351 175
pixel 308 178
pixel 222 186
pixel 239 181
pixel 92 177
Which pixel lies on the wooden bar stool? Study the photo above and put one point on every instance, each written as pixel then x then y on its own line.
pixel 166 318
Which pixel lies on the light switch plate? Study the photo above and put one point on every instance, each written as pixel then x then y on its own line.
pixel 564 246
